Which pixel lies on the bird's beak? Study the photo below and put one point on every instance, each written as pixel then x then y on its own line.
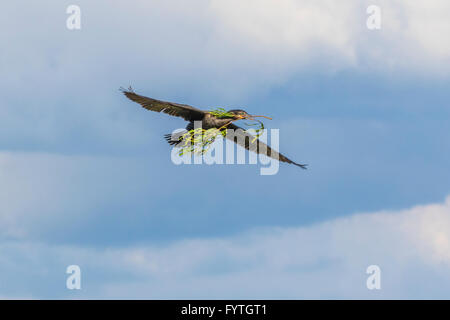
pixel 251 117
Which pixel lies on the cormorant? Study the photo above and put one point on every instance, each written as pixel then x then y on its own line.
pixel 209 121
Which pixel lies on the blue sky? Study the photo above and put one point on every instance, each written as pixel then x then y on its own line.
pixel 86 176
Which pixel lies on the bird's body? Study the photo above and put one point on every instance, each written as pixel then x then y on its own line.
pixel 209 121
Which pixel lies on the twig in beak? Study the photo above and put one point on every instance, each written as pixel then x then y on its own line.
pixel 252 116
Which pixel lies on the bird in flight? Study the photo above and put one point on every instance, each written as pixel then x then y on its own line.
pixel 208 121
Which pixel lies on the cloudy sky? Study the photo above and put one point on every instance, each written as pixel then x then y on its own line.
pixel 86 177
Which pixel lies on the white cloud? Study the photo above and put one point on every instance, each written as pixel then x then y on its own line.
pixel 292 35
pixel 326 260
pixel 288 31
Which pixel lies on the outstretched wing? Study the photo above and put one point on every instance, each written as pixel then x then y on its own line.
pixel 244 139
pixel 184 111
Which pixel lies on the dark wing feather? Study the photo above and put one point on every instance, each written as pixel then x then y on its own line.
pixel 244 139
pixel 184 111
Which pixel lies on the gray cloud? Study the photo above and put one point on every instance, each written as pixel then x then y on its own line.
pixel 326 260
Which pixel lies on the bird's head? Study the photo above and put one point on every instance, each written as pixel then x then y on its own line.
pixel 239 114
